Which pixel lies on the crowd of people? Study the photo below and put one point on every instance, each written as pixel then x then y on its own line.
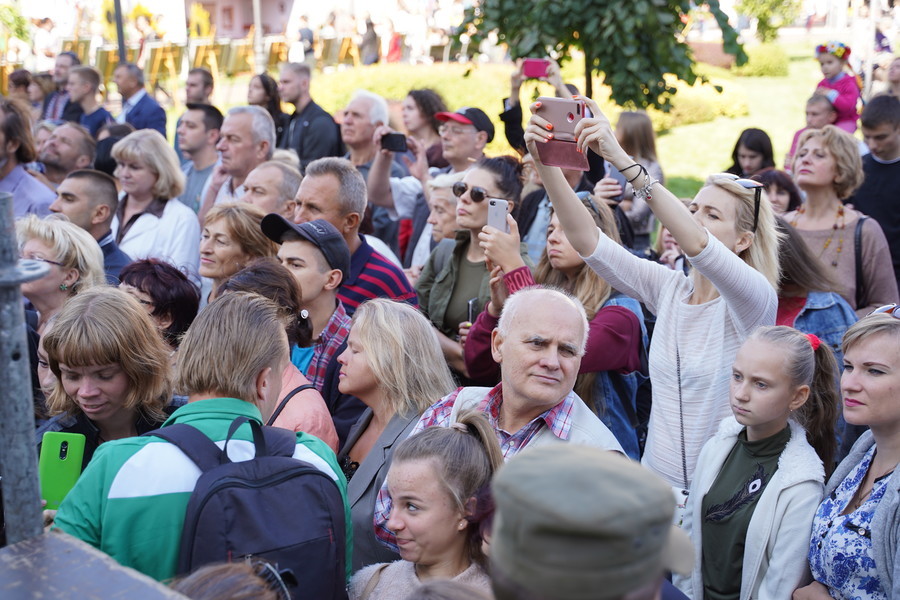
pixel 603 385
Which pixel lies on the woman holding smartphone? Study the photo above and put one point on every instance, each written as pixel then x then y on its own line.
pixel 449 280
pixel 729 236
pixel 112 369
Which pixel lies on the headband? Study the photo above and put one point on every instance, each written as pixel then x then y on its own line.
pixel 838 49
pixel 814 341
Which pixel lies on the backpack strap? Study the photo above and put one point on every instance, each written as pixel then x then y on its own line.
pixel 194 443
pixel 283 403
pixel 857 246
pixel 373 581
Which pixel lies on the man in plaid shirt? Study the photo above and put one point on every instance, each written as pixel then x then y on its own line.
pixel 538 343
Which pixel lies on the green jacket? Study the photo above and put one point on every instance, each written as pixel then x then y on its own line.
pixel 131 500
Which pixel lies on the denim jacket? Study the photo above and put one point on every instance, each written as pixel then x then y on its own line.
pixel 828 316
pixel 614 415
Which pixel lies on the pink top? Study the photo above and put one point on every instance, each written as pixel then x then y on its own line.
pixel 306 411
pixel 844 96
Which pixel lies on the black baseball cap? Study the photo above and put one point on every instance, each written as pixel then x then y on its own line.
pixel 470 116
pixel 322 234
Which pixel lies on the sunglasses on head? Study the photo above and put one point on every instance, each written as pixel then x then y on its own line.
pixel 476 193
pixel 749 184
pixel 888 309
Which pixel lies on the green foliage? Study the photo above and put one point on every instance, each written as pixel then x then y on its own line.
pixel 770 15
pixel 765 60
pixel 632 43
pixel 13 22
pixel 698 104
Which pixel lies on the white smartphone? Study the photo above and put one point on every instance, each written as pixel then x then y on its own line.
pixel 497 211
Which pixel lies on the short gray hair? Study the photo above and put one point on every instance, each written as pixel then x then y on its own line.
pixel 262 126
pixel 133 70
pixel 299 69
pixel 378 113
pixel 526 298
pixel 290 179
pixel 352 186
pixel 445 181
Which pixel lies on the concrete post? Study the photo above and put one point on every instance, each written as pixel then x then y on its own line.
pixel 18 460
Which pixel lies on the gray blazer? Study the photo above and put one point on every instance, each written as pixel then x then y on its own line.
pixel 362 490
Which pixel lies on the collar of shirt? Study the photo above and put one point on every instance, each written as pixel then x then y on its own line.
pixel 358 260
pixel 558 419
pixel 338 321
pixel 130 103
pixel 106 239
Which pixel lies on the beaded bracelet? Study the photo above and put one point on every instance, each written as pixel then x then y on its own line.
pixel 644 192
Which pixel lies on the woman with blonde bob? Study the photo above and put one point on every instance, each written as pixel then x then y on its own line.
pixel 112 369
pixel 729 236
pixel 73 256
pixel 231 239
pixel 147 224
pixel 828 168
pixel 853 544
pixel 393 363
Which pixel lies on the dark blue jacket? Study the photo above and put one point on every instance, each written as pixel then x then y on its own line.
pixel 147 114
pixel 114 260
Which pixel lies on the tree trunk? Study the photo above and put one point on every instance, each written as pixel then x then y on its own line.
pixel 588 79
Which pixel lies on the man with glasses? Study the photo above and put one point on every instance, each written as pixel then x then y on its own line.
pixel 464 134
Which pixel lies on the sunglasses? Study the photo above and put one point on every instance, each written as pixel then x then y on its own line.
pixel 888 309
pixel 749 184
pixel 476 193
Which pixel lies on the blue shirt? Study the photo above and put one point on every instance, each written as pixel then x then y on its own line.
pixel 30 196
pixel 97 119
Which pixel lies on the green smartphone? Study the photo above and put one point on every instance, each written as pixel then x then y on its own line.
pixel 60 465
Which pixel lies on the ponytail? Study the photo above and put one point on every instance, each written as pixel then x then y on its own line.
pixel 465 456
pixel 819 414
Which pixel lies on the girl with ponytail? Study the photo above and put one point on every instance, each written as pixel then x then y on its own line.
pixel 758 482
pixel 438 483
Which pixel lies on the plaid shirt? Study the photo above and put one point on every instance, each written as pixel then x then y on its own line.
pixel 329 341
pixel 558 419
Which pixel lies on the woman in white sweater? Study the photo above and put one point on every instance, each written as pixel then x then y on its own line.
pixel 758 482
pixel 437 483
pixel 729 236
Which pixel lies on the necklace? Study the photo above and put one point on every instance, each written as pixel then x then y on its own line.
pixel 862 497
pixel 839 225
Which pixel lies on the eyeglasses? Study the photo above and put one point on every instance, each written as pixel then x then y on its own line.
pixel 476 193
pixel 887 309
pixel 455 129
pixel 41 259
pixel 749 184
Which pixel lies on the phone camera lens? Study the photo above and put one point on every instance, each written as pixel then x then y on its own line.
pixel 570 117
pixel 63 450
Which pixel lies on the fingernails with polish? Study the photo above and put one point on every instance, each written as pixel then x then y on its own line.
pixel 549 136
pixel 537 104
pixel 550 126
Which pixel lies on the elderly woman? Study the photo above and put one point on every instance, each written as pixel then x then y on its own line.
pixel 828 168
pixel 111 368
pixel 393 363
pixel 74 258
pixel 147 224
pixel 232 237
pixel 167 295
pixel 853 549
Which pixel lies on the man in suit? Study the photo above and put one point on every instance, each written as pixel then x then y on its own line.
pixel 89 198
pixel 139 109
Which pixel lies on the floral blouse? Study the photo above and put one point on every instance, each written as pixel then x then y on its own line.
pixel 840 550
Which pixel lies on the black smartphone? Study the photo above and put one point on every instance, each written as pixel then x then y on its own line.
pixel 395 142
pixel 472 308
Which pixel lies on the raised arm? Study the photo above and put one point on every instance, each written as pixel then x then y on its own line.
pixel 596 133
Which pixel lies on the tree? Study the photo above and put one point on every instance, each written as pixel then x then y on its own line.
pixel 770 15
pixel 632 43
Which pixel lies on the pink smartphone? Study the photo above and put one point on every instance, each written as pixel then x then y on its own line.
pixel 535 68
pixel 562 151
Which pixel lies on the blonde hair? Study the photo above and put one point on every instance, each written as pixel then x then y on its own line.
pixel 149 147
pixel 229 343
pixel 762 254
pixel 869 326
pixel 243 222
pixel 103 326
pixel 404 353
pixel 845 150
pixel 71 245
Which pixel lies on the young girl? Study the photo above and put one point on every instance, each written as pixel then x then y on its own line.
pixel 437 482
pixel 840 87
pixel 759 480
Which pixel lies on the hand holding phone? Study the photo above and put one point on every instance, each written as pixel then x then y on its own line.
pixel 59 466
pixel 497 211
pixel 562 151
pixel 395 142
pixel 535 68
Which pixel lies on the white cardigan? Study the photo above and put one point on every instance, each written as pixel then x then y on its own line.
pixel 777 542
pixel 174 238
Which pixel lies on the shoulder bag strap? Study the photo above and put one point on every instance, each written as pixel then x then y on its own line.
pixel 283 403
pixel 857 246
pixel 376 577
pixel 194 443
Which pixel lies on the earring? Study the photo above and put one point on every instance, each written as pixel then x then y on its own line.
pixel 63 287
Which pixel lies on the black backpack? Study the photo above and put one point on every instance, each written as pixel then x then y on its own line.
pixel 272 507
